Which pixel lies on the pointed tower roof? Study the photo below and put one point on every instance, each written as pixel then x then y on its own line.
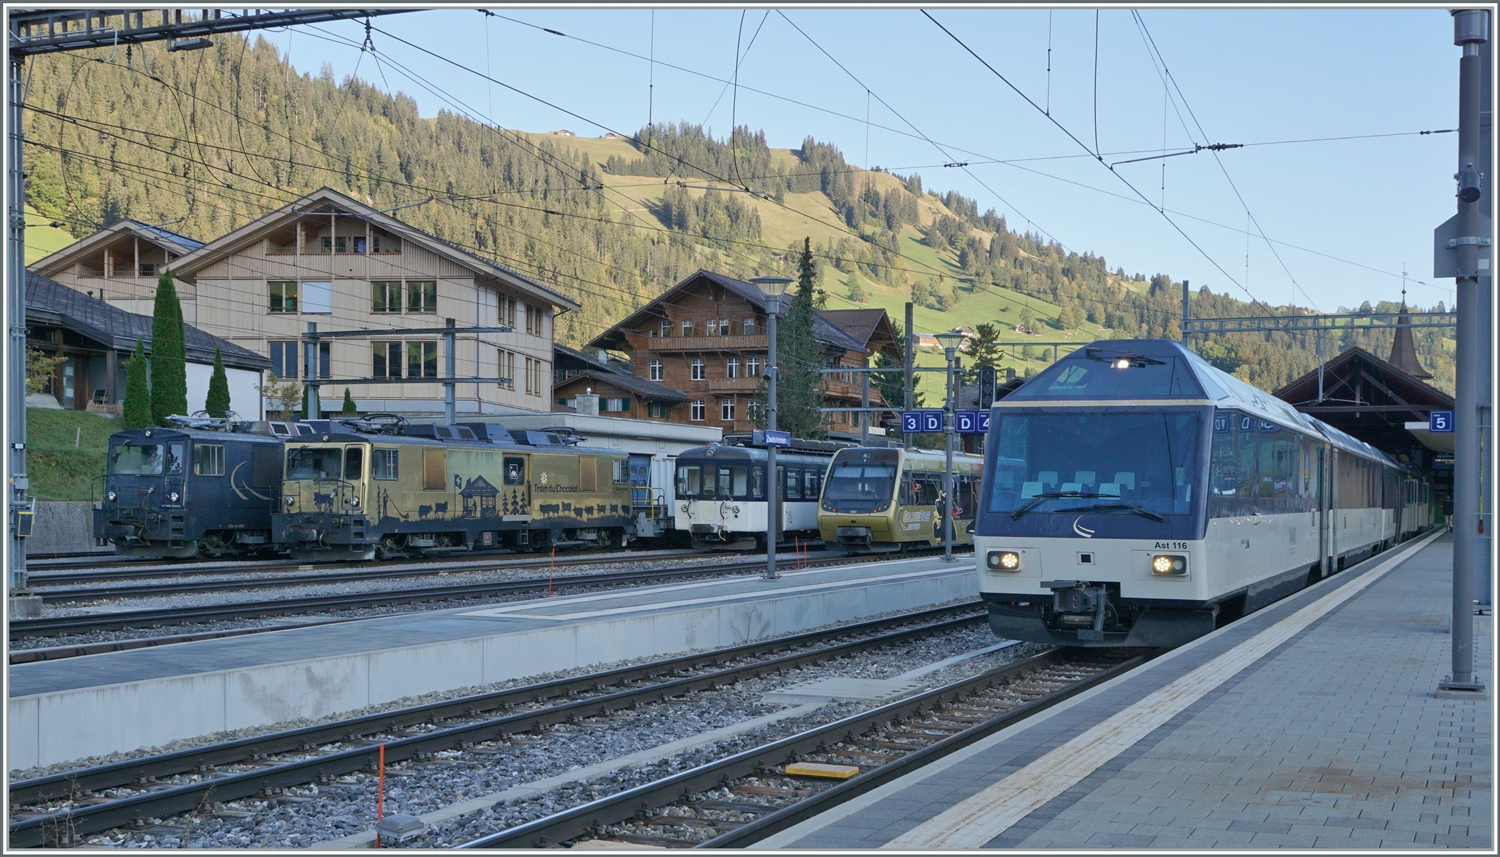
pixel 1404 348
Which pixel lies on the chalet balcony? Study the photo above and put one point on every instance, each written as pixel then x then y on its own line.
pixel 733 385
pixel 836 387
pixel 641 344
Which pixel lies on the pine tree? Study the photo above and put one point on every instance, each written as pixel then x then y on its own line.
pixel 136 411
pixel 799 386
pixel 168 354
pixel 217 403
pixel 349 410
pixel 983 348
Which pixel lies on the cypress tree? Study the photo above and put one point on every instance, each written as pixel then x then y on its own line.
pixel 349 410
pixel 136 412
pixel 168 354
pixel 217 403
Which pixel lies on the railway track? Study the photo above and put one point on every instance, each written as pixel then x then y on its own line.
pixel 55 626
pixel 48 586
pixel 738 801
pixel 59 809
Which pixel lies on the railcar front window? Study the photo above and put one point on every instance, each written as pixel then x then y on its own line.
pixel 861 481
pixel 136 459
pixel 1058 463
pixel 689 481
pixel 311 462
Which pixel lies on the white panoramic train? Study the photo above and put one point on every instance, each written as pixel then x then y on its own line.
pixel 1134 495
pixel 721 494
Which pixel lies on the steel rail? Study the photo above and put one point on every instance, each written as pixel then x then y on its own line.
pixel 64 826
pixel 594 816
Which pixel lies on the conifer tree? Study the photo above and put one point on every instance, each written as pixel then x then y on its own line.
pixel 136 411
pixel 217 403
pixel 349 410
pixel 168 354
pixel 983 348
pixel 799 386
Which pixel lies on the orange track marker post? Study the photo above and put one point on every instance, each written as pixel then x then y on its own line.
pixel 380 794
pixel 551 567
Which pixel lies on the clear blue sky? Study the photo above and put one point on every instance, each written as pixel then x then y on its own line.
pixel 1246 76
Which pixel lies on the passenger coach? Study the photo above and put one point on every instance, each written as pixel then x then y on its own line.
pixel 1136 496
pixel 721 495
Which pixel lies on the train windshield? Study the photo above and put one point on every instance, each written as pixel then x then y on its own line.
pixel 708 481
pixel 861 480
pixel 137 459
pixel 1102 461
pixel 314 462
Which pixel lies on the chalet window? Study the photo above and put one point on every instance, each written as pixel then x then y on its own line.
pixel 687 327
pixel 658 410
pixel 656 370
pixel 724 327
pixel 753 364
pixel 713 327
pixel 726 410
pixel 317 297
pixel 700 372
pixel 386 296
pixel 386 464
pixel 732 368
pixel 385 244
pixel 534 320
pixel 285 358
pixel 421 359
pixel 148 269
pixel 749 327
pixel 335 245
pixel 666 328
pixel 208 459
pixel 614 405
pixel 421 296
pixel 283 296
pixel 700 411
pixel 385 360
pixel 507 369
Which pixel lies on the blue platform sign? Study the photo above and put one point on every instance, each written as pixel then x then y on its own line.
pixel 921 422
pixel 779 438
pixel 982 422
pixel 966 421
pixel 1440 422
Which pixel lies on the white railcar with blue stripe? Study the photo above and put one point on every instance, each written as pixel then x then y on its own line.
pixel 1136 496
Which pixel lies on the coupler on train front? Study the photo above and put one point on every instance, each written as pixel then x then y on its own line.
pixel 323 537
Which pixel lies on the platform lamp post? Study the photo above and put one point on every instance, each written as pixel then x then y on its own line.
pixel 771 288
pixel 950 340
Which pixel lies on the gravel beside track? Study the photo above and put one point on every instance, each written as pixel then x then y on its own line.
pixel 305 815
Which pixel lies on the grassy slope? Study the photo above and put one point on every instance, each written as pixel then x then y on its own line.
pixel 42 239
pixel 58 470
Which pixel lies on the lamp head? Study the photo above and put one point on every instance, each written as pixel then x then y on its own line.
pixel 772 288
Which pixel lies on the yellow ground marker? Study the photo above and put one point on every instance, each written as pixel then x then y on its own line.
pixel 817 769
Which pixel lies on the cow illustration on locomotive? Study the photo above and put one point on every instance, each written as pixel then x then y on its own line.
pixel 378 487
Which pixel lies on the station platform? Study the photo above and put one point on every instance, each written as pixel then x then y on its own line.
pixel 60 711
pixel 1313 723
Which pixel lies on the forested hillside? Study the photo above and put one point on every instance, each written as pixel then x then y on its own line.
pixel 205 141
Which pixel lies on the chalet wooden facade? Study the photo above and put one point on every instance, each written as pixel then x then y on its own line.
pixel 332 261
pixel 706 337
pixel 118 264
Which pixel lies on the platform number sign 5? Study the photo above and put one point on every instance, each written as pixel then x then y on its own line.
pixel 1440 422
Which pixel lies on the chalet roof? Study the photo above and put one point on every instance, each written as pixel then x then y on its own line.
pixel 608 373
pixel 863 325
pixel 51 303
pixel 1404 348
pixel 327 199
pixel 61 260
pixel 823 329
pixel 1422 397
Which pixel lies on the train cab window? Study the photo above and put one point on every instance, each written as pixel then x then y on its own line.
pixel 757 483
pixel 385 463
pixel 515 470
pixel 136 459
pixel 689 481
pixel 174 458
pixel 313 462
pixel 621 471
pixel 732 482
pixel 354 462
pixel 812 484
pixel 208 459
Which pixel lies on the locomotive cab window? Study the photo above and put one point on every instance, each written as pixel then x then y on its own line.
pixel 385 463
pixel 208 459
pixel 174 457
pixel 136 459
pixel 354 462
pixel 313 462
pixel 688 481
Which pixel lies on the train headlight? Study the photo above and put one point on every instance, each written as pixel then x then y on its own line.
pixel 174 497
pixel 352 501
pixel 1169 564
pixel 111 496
pixel 1003 561
pixel 288 501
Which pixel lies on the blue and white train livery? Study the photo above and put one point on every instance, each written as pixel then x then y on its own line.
pixel 1136 496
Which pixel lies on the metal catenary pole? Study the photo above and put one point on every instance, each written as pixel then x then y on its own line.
pixel 1470 29
pixel 311 375
pixel 773 485
pixel 450 370
pixel 906 360
pixel 18 499
pixel 948 418
pixel 1484 539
